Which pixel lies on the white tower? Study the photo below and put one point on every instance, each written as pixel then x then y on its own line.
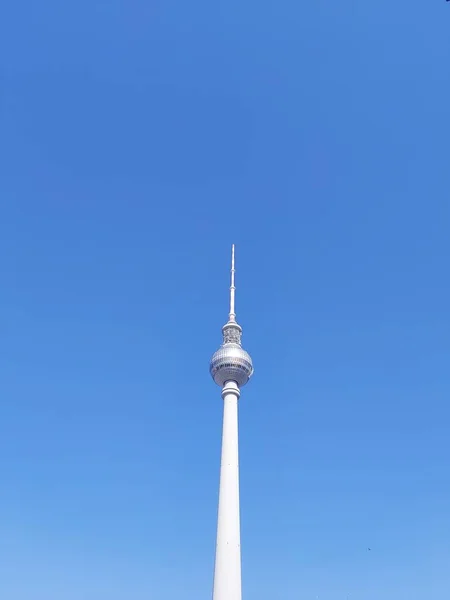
pixel 231 367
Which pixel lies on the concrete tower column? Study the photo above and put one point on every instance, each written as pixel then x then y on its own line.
pixel 227 572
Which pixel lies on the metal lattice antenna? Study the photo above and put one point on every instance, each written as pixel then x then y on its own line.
pixel 232 289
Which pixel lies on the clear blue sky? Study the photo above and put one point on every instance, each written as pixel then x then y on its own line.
pixel 138 141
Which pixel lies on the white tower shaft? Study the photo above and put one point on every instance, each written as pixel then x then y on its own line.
pixel 227 572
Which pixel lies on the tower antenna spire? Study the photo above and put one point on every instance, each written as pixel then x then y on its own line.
pixel 232 289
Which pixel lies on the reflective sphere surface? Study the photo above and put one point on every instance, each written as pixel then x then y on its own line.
pixel 231 363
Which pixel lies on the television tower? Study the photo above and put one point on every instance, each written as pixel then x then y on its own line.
pixel 231 367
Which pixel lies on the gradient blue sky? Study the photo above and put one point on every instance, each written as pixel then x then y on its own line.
pixel 138 141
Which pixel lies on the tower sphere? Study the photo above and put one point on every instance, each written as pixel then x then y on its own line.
pixel 231 363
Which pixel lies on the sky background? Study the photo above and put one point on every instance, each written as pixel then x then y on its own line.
pixel 139 140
